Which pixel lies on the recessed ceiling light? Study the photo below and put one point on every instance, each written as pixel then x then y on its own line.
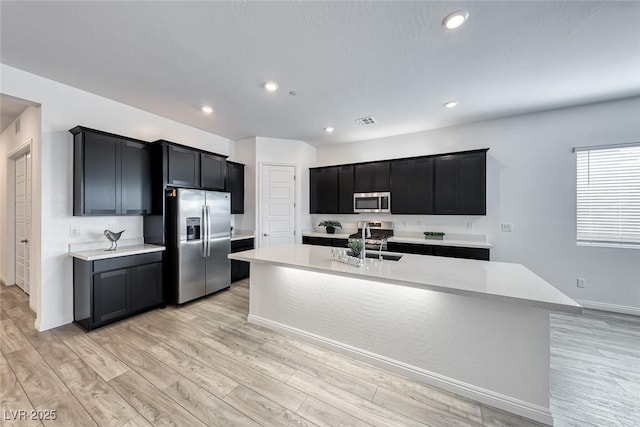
pixel 329 129
pixel 271 86
pixel 455 19
pixel 451 104
pixel 207 110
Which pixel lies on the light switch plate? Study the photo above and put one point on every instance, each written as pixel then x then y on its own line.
pixel 581 282
pixel 75 231
pixel 507 227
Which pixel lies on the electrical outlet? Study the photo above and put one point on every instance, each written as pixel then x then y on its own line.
pixel 507 227
pixel 75 231
pixel 419 223
pixel 581 283
pixel 469 225
pixel 404 223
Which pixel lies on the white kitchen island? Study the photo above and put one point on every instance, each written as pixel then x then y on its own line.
pixel 479 329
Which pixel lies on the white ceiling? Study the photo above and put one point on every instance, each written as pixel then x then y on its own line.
pixel 345 60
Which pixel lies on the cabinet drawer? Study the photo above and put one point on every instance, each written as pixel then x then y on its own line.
pixel 242 245
pixel 126 261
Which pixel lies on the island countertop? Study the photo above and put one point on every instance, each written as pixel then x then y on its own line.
pixel 502 281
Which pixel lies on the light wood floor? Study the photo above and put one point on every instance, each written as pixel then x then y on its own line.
pixel 202 364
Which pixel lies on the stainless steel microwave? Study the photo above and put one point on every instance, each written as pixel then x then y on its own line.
pixel 372 202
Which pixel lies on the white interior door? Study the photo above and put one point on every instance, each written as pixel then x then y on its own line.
pixel 23 221
pixel 277 205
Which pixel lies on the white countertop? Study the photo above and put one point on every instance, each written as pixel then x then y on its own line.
pixel 452 242
pixel 414 240
pixel 484 279
pixel 98 254
pixel 242 234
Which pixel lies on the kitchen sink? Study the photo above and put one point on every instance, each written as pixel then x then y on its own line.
pixel 387 257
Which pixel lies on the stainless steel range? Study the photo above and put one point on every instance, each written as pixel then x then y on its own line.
pixel 380 232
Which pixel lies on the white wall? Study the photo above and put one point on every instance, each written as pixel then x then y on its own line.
pixel 10 141
pixel 531 182
pixel 244 151
pixel 64 107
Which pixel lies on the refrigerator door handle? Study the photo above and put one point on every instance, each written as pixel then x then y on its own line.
pixel 208 231
pixel 205 231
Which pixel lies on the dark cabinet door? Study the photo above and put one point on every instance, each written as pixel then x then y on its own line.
pixel 146 286
pixel 240 269
pixel 412 186
pixel 372 177
pixel 410 248
pixel 323 194
pixel 136 178
pixel 235 185
pixel 184 167
pixel 460 184
pixel 111 296
pixel 213 172
pixel 459 252
pixel 101 174
pixel 345 189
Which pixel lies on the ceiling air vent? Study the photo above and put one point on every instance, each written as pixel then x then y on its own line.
pixel 366 121
pixel 18 127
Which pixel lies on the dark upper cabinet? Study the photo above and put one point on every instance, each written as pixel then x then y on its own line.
pixel 136 178
pixel 213 172
pixel 323 194
pixel 111 174
pixel 235 186
pixel 412 186
pixel 460 184
pixel 184 166
pixel 372 177
pixel 345 189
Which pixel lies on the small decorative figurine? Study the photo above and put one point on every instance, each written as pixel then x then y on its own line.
pixel 113 238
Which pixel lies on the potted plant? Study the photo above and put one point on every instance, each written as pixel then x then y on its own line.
pixel 330 225
pixel 434 235
pixel 356 247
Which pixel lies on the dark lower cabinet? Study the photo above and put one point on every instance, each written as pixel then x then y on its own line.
pixel 324 241
pixel 105 291
pixel 437 250
pixel 240 269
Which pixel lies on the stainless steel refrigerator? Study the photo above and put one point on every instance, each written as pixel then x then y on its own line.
pixel 198 240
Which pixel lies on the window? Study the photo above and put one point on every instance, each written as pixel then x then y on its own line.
pixel 608 195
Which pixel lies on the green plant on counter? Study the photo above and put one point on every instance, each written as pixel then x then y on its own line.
pixel 356 247
pixel 433 233
pixel 330 225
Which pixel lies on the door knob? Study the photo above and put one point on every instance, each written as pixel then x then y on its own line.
pixel 266 234
pixel 24 241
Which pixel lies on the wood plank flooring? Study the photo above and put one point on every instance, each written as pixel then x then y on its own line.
pixel 203 364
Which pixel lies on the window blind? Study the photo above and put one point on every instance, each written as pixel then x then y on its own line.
pixel 608 195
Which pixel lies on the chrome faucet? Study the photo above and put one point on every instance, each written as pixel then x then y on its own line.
pixel 382 242
pixel 365 230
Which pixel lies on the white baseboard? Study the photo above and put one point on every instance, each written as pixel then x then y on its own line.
pixel 41 327
pixel 624 309
pixel 488 397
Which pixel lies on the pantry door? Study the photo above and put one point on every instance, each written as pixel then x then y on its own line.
pixel 23 221
pixel 277 205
